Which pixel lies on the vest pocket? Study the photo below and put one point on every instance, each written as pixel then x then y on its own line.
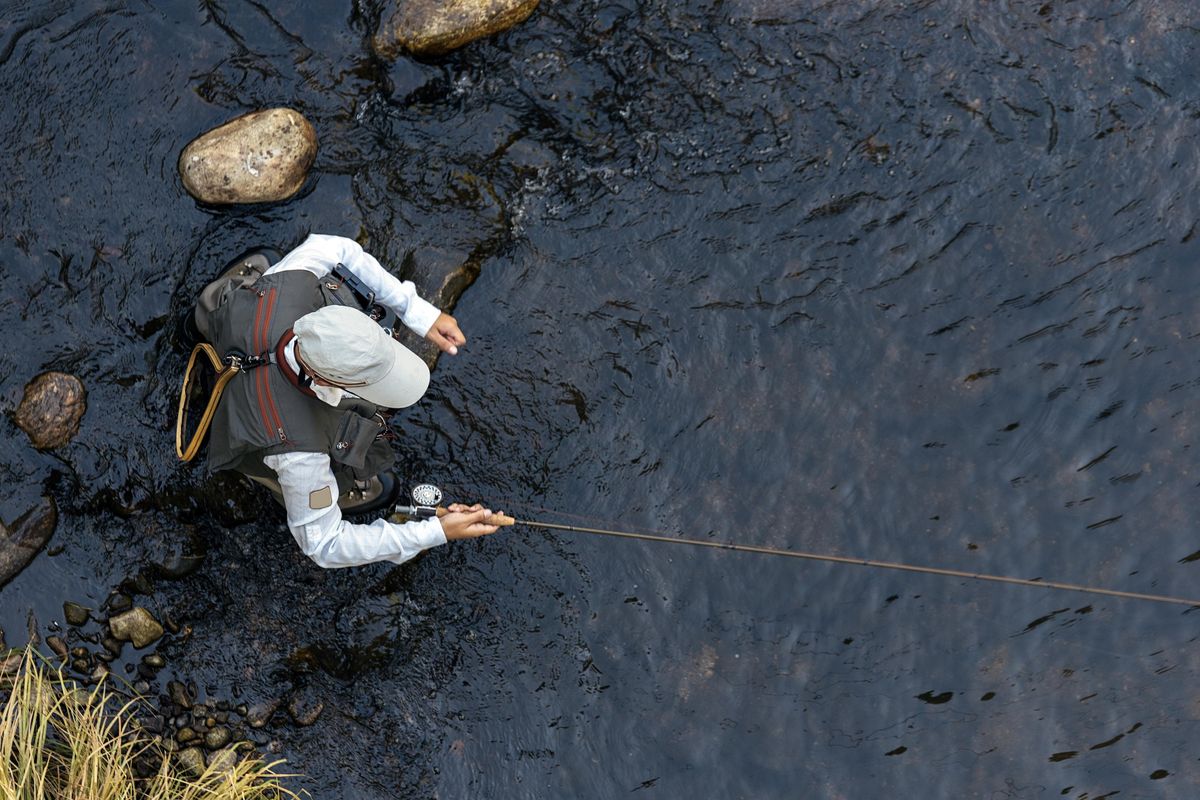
pixel 351 443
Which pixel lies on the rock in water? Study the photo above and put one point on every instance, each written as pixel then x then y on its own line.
pixel 50 411
pixel 259 157
pixel 136 625
pixel 22 540
pixel 435 27
pixel 76 615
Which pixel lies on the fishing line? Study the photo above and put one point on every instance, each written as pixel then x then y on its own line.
pixel 426 498
pixel 867 562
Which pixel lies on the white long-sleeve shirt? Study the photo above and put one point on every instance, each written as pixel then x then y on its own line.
pixel 322 533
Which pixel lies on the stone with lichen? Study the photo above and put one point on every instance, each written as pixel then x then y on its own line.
pixel 260 157
pixel 51 409
pixel 435 27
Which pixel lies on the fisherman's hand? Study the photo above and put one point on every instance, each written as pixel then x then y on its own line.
pixel 467 522
pixel 446 334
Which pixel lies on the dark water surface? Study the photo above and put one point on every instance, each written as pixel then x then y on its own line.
pixel 911 281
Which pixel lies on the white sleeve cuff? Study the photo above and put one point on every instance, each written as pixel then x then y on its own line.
pixel 420 316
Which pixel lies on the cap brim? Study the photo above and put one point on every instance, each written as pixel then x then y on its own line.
pixel 404 384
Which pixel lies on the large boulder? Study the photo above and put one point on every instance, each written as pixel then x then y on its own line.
pixel 51 409
pixel 22 540
pixel 259 157
pixel 435 27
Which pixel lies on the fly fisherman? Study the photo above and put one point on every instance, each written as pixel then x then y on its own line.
pixel 303 417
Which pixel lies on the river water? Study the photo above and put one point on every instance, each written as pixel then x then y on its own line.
pixel 911 281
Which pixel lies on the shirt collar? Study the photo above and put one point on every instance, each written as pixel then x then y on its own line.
pixel 330 395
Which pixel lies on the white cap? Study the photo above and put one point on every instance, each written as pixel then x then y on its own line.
pixel 347 348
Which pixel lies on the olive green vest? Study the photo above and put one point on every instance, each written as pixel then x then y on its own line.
pixel 262 412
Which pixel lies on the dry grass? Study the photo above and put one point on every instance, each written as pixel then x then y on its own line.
pixel 60 742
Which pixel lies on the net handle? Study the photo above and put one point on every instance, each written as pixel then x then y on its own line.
pixel 225 373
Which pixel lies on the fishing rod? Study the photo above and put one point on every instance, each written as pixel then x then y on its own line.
pixel 426 498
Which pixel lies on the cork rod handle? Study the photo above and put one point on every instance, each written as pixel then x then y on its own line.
pixel 494 519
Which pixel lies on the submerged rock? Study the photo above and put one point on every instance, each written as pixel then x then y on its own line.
pixel 259 714
pixel 259 157
pixel 441 276
pixel 179 694
pixel 435 27
pixel 51 409
pixel 22 540
pixel 75 614
pixel 304 710
pixel 59 647
pixel 177 553
pixel 136 625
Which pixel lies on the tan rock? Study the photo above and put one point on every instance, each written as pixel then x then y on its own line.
pixel 435 27
pixel 51 409
pixel 191 761
pixel 223 761
pixel 259 157
pixel 136 625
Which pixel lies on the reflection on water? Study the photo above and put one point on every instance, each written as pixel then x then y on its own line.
pixel 910 281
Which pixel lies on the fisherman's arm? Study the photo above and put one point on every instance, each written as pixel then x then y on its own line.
pixel 310 496
pixel 320 253
pixel 330 541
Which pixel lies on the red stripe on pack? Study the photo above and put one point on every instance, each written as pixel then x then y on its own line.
pixel 271 297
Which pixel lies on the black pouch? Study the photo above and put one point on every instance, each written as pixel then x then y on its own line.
pixel 358 446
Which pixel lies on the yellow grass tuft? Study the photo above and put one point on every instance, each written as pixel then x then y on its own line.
pixel 60 742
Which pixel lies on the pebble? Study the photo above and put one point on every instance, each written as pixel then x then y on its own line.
pixel 136 625
pixel 179 694
pixel 75 614
pixel 154 661
pixel 223 761
pixel 217 738
pixel 11 663
pixel 119 602
pixel 59 647
pixel 185 735
pixel 191 761
pixel 304 712
pixel 259 714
